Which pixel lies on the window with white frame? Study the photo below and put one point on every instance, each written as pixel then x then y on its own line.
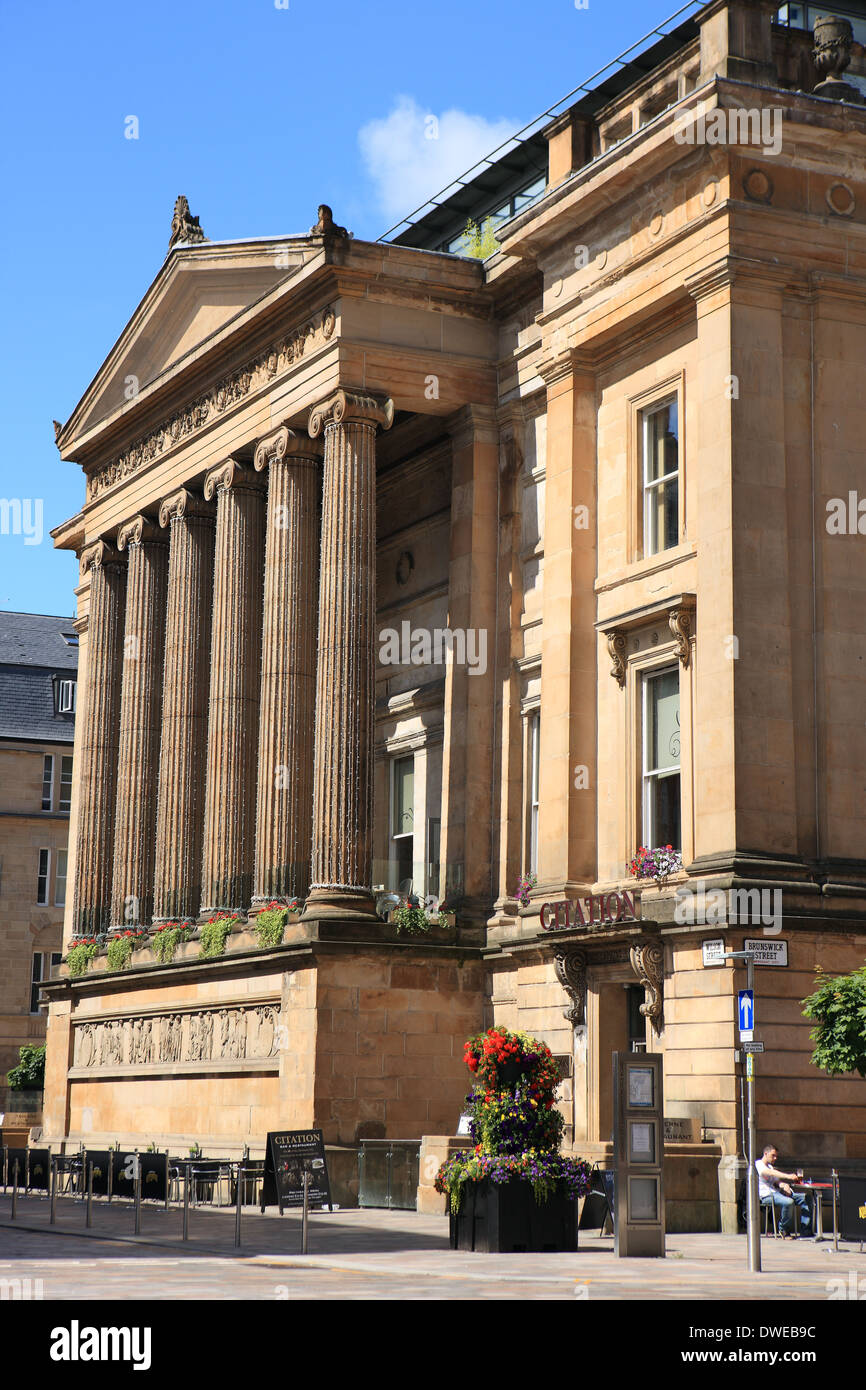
pixel 661 759
pixel 48 782
pixel 660 447
pixel 66 697
pixel 402 824
pixel 42 877
pixel 65 801
pixel 60 879
pixel 39 972
pixel 533 759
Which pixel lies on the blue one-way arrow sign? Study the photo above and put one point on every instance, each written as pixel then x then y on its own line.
pixel 746 1009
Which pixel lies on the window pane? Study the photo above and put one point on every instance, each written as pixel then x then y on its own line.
pixel 434 840
pixel 60 879
pixel 662 442
pixel 47 781
pixel 42 877
pixel 404 797
pixel 664 827
pixel 65 800
pixel 663 712
pixel 662 516
pixel 35 978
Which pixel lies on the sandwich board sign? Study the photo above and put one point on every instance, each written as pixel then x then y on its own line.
pixel 289 1154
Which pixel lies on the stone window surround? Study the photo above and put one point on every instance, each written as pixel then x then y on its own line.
pixel 659 391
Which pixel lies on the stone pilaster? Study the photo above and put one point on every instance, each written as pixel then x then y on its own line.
pixel 98 749
pixel 229 822
pixel 140 715
pixel 186 684
pixel 284 806
pixel 343 768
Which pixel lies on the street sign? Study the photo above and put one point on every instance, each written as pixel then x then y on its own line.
pixel 713 951
pixel 753 1047
pixel 767 952
pixel 746 1013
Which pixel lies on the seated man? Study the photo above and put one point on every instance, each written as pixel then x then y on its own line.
pixel 773 1188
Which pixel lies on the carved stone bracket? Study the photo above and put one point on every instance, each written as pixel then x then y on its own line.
pixel 647 961
pixel 570 967
pixel 680 623
pixel 616 647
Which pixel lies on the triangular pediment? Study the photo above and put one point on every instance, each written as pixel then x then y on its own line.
pixel 198 291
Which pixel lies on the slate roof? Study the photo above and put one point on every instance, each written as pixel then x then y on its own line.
pixel 32 654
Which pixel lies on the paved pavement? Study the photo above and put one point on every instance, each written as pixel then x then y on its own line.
pixel 375 1254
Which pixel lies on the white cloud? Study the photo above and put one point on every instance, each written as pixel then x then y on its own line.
pixel 412 154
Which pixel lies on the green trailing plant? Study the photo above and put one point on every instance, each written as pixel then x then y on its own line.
pixel 479 242
pixel 29 1072
pixel 410 921
pixel 215 933
pixel 838 1008
pixel 80 954
pixel 121 947
pixel 166 939
pixel 271 922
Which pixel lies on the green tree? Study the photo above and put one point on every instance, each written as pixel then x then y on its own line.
pixel 838 1008
pixel 29 1074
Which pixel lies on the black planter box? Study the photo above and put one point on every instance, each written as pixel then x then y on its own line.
pixel 506 1218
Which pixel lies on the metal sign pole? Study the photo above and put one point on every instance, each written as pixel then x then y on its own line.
pixel 238 1204
pixel 89 1218
pixel 52 1182
pixel 5 1168
pixel 137 1194
pixel 835 1181
pixel 754 1208
pixel 167 1182
pixel 305 1218
pixel 186 1201
pixel 15 1190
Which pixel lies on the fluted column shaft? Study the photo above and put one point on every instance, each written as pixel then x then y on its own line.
pixel 284 804
pixel 186 684
pixel 229 829
pixel 97 751
pixel 343 764
pixel 140 714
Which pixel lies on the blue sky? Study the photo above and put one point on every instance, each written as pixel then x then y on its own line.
pixel 257 113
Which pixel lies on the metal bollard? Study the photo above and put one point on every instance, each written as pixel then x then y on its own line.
pixel 15 1190
pixel 186 1201
pixel 52 1183
pixel 110 1175
pixel 89 1217
pixel 167 1180
pixel 305 1217
pixel 137 1194
pixel 834 1178
pixel 5 1168
pixel 239 1204
pixel 27 1171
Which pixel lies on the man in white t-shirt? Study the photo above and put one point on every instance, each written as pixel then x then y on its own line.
pixel 773 1187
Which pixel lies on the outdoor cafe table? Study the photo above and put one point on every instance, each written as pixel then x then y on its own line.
pixel 816 1189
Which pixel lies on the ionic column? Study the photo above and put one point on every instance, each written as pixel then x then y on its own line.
pixel 97 750
pixel 230 796
pixel 140 710
pixel 343 762
pixel 186 684
pixel 288 689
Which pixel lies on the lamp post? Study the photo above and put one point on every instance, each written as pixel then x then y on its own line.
pixel 753 1222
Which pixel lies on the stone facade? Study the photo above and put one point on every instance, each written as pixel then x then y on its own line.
pixel 600 460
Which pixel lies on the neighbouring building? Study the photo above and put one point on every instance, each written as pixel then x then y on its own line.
pixel 38 676
pixel 403 567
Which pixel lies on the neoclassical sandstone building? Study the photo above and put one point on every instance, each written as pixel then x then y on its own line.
pixel 600 461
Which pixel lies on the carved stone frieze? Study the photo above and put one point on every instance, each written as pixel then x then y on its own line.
pixel 647 962
pixel 570 967
pixel 211 404
pixel 244 1033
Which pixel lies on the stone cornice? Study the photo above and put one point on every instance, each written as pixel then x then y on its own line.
pixel 286 443
pixel 231 473
pixel 183 503
pixel 352 407
pixel 211 404
pixel 139 530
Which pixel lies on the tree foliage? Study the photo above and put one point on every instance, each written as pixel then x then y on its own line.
pixel 29 1074
pixel 838 1008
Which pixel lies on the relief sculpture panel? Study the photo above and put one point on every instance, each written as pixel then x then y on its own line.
pixel 242 1033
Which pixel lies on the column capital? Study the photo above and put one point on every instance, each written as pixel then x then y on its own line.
pixel 348 407
pixel 231 473
pixel 183 503
pixel 139 529
pixel 286 443
pixel 100 555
